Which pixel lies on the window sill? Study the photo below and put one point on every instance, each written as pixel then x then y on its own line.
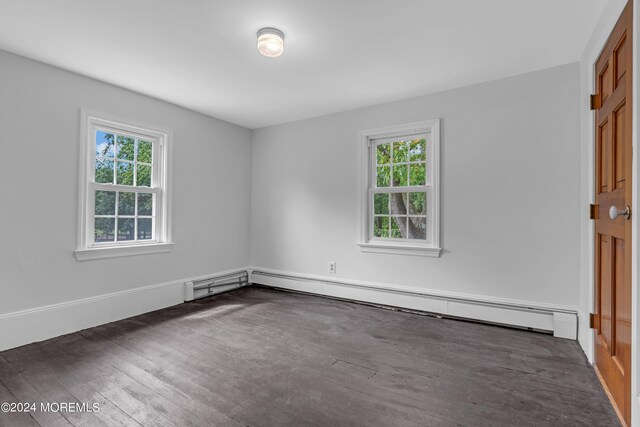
pixel 390 248
pixel 122 251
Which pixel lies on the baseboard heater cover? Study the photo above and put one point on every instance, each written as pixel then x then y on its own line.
pixel 204 287
pixel 561 321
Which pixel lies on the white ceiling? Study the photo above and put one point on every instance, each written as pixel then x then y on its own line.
pixel 339 54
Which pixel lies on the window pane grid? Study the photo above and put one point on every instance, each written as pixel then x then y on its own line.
pixel 401 228
pixel 400 163
pixel 126 163
pixel 124 192
pixel 123 216
pixel 399 192
pixel 120 158
pixel 400 212
pixel 399 215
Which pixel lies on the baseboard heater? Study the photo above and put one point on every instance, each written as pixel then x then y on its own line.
pixel 561 321
pixel 204 287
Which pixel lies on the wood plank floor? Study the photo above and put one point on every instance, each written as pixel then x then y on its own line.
pixel 261 357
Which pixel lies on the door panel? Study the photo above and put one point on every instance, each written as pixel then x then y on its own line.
pixel 620 137
pixel 620 57
pixel 619 351
pixel 613 236
pixel 605 81
pixel 605 293
pixel 604 150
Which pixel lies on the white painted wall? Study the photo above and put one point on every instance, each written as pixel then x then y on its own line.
pixel 510 200
pixel 39 131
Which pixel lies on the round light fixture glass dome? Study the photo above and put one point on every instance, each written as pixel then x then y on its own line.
pixel 270 42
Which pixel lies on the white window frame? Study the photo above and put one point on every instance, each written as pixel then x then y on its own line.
pixel 87 249
pixel 366 242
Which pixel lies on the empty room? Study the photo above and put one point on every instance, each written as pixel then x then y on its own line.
pixel 319 213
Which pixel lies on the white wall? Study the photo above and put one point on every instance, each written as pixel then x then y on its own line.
pixel 509 210
pixel 39 131
pixel 510 201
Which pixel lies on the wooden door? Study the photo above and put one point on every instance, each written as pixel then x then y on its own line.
pixel 612 317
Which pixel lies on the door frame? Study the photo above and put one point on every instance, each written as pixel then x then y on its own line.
pixel 635 293
pixel 587 158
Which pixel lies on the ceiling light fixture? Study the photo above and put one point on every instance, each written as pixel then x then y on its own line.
pixel 270 42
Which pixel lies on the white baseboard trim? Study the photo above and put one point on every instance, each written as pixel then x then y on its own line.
pixel 41 323
pixel 586 338
pixel 559 319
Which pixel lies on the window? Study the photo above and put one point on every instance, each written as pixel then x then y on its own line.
pixel 400 200
pixel 124 197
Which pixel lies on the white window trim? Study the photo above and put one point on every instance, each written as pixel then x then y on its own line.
pixel 430 249
pixel 86 250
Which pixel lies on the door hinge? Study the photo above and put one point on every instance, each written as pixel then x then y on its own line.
pixel 596 101
pixel 593 211
pixel 594 321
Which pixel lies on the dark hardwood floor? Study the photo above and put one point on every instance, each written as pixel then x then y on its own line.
pixel 262 357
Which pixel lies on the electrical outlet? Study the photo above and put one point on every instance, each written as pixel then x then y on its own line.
pixel 332 267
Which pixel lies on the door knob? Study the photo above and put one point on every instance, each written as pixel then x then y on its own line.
pixel 614 212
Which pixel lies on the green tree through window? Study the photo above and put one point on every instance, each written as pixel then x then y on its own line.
pixel 399 214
